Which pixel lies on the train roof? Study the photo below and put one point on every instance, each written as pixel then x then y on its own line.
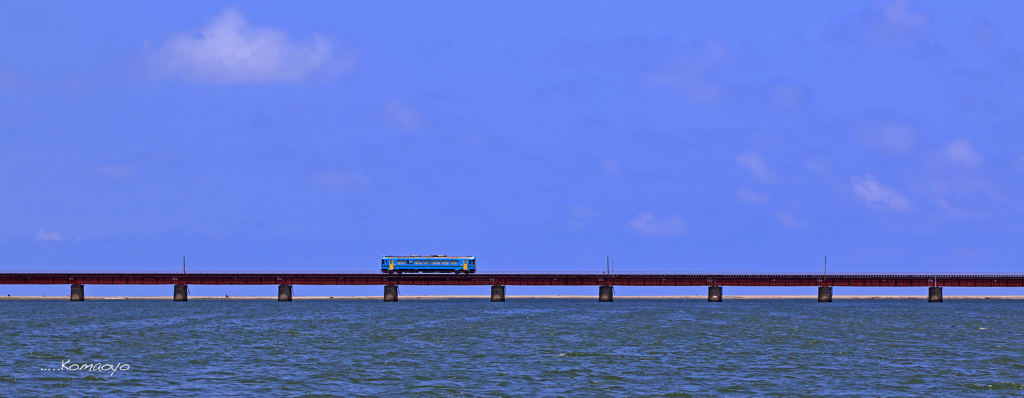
pixel 431 256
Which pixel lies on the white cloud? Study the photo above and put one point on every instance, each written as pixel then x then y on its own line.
pixel 984 33
pixel 874 193
pixel 988 36
pixel 955 211
pixel 891 22
pixel 10 79
pixel 898 21
pixel 648 224
pixel 788 220
pixel 756 164
pixel 115 171
pixel 52 236
pixel 960 152
pixel 403 115
pixel 694 72
pixel 818 164
pixel 230 50
pixel 1019 164
pixel 579 211
pixel 752 197
pixel 701 74
pixel 611 167
pixel 337 179
pixel 889 135
pixel 896 138
pixel 579 216
pixel 790 98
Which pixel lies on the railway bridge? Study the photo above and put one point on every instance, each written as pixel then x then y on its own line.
pixel 498 281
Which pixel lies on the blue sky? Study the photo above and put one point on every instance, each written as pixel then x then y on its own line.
pixel 675 136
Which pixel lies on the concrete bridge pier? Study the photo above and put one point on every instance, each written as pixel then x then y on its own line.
pixel 497 293
pixel 824 294
pixel 77 292
pixel 604 295
pixel 390 292
pixel 180 292
pixel 935 294
pixel 284 293
pixel 714 294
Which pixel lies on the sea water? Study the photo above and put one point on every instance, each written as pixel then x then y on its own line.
pixel 522 347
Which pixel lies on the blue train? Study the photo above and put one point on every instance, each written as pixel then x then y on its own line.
pixel 403 264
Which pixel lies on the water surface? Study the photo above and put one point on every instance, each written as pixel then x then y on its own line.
pixel 526 347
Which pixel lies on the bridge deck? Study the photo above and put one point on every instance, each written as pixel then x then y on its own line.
pixel 525 279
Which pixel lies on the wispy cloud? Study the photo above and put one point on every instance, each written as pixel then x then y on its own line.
pixel 961 153
pixel 888 134
pixel 874 193
pixel 790 98
pixel 818 164
pixel 611 167
pixel 753 197
pixel 579 215
pixel 702 71
pixel 984 33
pixel 956 211
pixel 898 20
pixel 648 224
pixel 230 50
pixel 115 171
pixel 789 220
pixel 13 80
pixel 695 71
pixel 339 180
pixel 403 115
pixel 756 165
pixel 52 236
pixel 987 35
pixel 889 23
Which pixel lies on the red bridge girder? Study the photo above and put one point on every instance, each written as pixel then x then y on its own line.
pixel 887 280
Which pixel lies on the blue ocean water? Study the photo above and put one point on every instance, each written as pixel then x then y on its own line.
pixel 522 347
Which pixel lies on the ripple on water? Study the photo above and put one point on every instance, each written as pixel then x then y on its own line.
pixel 672 348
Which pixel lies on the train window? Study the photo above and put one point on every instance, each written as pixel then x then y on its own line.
pixel 437 261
